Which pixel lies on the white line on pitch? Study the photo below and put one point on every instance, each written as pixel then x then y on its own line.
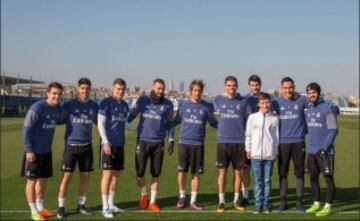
pixel 187 211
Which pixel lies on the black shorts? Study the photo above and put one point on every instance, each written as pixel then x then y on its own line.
pixel 40 168
pixel 146 150
pixel 114 161
pixel 231 152
pixel 191 156
pixel 247 161
pixel 294 151
pixel 82 154
pixel 315 165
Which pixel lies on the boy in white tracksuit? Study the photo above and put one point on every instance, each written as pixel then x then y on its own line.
pixel 261 145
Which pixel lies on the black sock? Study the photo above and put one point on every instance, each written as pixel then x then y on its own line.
pixel 315 187
pixel 330 189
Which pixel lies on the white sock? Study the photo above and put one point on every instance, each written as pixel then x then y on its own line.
pixel 327 205
pixel 245 192
pixel 221 197
pixel 182 193
pixel 82 200
pixel 153 196
pixel 236 197
pixel 105 202
pixel 317 203
pixel 40 204
pixel 143 191
pixel 193 197
pixel 111 198
pixel 61 202
pixel 33 208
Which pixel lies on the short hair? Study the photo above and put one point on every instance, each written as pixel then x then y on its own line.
pixel 287 79
pixel 119 81
pixel 54 85
pixel 231 78
pixel 84 81
pixel 159 80
pixel 197 82
pixel 264 96
pixel 313 86
pixel 254 78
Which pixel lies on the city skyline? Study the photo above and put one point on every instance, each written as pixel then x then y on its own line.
pixel 182 40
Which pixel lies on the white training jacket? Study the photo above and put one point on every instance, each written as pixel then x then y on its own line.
pixel 262 136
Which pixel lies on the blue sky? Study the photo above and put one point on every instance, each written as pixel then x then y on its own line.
pixel 139 40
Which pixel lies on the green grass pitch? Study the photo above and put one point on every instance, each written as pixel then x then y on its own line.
pixel 14 206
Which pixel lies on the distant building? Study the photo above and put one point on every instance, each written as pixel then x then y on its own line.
pixel 182 86
pixel 171 85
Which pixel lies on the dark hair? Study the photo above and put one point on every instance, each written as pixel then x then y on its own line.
pixel 287 79
pixel 197 82
pixel 159 80
pixel 313 86
pixel 54 85
pixel 231 78
pixel 264 96
pixel 254 78
pixel 84 81
pixel 119 81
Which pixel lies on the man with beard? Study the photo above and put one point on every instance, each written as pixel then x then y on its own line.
pixel 156 119
pixel 322 131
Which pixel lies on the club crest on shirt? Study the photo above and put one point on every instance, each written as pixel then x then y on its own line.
pixel 223 106
pixel 296 107
pixel 188 110
pixel 282 108
pixel 201 112
pixel 162 108
pixel 238 106
pixel 77 111
pixel 318 115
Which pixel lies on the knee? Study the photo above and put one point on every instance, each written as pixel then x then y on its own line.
pixel 195 176
pixel 31 181
pixel 115 175
pixel 222 173
pixel 67 176
pixel 140 174
pixel 299 176
pixel 314 176
pixel 283 172
pixel 85 175
pixel 155 173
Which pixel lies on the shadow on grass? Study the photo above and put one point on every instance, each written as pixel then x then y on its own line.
pixel 344 197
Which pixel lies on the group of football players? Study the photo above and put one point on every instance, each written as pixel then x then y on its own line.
pixel 295 116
